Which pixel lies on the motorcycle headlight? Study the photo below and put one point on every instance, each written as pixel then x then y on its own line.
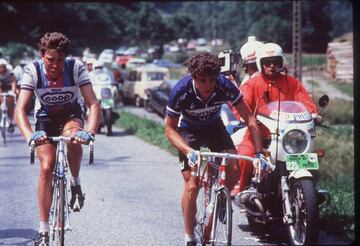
pixel 294 142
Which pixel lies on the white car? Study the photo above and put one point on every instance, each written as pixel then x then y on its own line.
pixel 140 79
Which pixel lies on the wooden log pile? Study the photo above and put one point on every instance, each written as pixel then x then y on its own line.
pixel 340 61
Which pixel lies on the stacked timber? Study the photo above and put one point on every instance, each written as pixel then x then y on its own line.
pixel 340 61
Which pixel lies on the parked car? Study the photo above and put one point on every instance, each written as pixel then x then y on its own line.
pixel 157 98
pixel 140 79
pixel 165 63
pixel 135 62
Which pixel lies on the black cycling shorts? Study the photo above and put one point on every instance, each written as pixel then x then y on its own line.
pixel 53 126
pixel 215 137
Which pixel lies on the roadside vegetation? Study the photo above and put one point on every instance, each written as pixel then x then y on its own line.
pixel 336 167
pixel 347 88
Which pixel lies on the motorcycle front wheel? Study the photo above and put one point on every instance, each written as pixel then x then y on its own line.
pixel 108 121
pixel 304 230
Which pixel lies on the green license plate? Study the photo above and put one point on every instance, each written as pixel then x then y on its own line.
pixel 302 161
pixel 106 103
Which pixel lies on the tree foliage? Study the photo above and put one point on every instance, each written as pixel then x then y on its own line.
pixel 112 24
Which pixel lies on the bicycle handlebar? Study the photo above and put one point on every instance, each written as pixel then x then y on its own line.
pixel 221 155
pixel 226 156
pixel 62 138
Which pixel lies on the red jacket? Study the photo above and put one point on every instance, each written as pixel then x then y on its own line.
pixel 268 91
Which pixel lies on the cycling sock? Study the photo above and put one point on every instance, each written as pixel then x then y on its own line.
pixel 75 181
pixel 44 227
pixel 189 238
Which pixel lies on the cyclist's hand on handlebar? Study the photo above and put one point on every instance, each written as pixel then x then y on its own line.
pixel 260 157
pixel 84 137
pixel 193 158
pixel 37 137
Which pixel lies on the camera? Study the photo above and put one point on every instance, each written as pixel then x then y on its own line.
pixel 229 60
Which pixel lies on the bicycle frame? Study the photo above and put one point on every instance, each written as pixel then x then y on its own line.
pixel 212 177
pixel 59 178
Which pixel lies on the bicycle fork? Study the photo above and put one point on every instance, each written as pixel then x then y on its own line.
pixel 54 211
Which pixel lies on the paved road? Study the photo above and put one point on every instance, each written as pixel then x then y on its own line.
pixel 132 197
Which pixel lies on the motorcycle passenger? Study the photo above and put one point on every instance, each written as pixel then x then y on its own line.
pixel 248 57
pixel 193 120
pixel 272 83
pixel 8 84
pixel 58 76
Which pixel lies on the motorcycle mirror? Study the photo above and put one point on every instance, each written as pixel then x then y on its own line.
pixel 323 100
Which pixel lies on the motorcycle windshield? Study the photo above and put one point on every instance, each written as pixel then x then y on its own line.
pixel 289 110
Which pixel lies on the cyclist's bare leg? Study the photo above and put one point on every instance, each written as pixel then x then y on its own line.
pixel 74 153
pixel 233 171
pixel 47 156
pixel 188 201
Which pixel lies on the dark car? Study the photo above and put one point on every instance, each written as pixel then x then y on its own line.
pixel 157 98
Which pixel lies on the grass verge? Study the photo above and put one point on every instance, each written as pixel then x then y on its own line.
pixel 148 130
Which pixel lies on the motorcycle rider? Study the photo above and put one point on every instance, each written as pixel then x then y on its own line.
pixel 8 84
pixel 193 121
pixel 272 82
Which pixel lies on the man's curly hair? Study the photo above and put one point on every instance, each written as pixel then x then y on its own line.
pixel 54 40
pixel 204 63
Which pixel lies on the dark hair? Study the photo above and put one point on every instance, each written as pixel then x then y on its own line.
pixel 54 40
pixel 204 64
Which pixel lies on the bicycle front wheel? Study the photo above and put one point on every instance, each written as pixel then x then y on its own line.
pixel 222 220
pixel 3 128
pixel 60 229
pixel 201 203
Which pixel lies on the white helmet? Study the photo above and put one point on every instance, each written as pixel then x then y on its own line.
pixel 269 50
pixel 248 50
pixel 98 64
pixel 3 62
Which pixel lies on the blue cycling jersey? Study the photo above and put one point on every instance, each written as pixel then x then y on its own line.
pixel 185 103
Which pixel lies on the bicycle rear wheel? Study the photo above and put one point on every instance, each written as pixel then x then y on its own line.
pixel 222 220
pixel 60 228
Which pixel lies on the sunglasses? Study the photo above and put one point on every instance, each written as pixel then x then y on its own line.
pixel 276 61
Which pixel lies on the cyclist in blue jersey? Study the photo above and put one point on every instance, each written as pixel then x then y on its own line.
pixel 193 120
pixel 58 83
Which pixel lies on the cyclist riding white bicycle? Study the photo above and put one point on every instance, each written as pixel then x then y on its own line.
pixel 57 82
pixel 8 84
pixel 193 120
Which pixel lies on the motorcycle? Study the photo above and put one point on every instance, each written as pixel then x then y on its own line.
pixel 284 192
pixel 105 92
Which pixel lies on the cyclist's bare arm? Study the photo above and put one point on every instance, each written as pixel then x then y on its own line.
pixel 20 113
pixel 174 137
pixel 250 120
pixel 94 108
